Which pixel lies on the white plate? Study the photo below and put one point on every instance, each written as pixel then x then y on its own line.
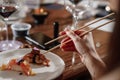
pixel 107 28
pixel 56 67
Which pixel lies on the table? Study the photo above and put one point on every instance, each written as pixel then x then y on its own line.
pixel 78 69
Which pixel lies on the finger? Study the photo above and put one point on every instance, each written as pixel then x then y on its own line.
pixel 62 33
pixel 65 39
pixel 72 35
pixel 67 45
pixel 80 45
pixel 78 32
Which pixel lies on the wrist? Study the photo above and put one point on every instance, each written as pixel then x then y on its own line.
pixel 84 55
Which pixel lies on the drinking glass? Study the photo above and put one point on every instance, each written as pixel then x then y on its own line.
pixel 7 8
pixel 3 33
pixel 78 11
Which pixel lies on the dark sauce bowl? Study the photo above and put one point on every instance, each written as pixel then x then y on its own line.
pixel 20 29
pixel 39 16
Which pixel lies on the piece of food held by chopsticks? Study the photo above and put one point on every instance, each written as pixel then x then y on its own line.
pixel 23 64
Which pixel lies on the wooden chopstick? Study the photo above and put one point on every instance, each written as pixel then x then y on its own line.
pixel 80 28
pixel 52 49
pixel 80 35
pixel 91 30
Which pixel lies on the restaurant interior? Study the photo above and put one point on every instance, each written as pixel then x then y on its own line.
pixel 34 26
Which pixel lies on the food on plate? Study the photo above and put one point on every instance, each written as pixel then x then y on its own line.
pixel 23 64
pixel 36 57
pixel 18 65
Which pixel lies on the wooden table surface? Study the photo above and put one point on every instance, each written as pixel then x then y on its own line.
pixel 78 68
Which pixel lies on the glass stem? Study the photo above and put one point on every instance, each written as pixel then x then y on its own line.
pixel 75 20
pixel 7 33
pixel 74 27
pixel 73 58
pixel 6 19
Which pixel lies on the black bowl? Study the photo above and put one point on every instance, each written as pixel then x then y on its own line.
pixel 40 18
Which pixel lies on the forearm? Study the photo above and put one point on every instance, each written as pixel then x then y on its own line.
pixel 95 66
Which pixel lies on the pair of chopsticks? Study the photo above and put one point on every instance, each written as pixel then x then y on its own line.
pixel 81 29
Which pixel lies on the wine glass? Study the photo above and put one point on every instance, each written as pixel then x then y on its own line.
pixel 72 7
pixel 7 8
pixel 78 11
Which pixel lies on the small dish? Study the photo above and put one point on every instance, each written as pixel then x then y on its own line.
pixel 20 29
pixel 39 15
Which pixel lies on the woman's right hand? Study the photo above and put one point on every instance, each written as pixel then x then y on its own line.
pixel 86 50
pixel 79 44
pixel 69 46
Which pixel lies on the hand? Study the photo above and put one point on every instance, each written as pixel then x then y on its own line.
pixel 86 50
pixel 70 45
pixel 79 44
